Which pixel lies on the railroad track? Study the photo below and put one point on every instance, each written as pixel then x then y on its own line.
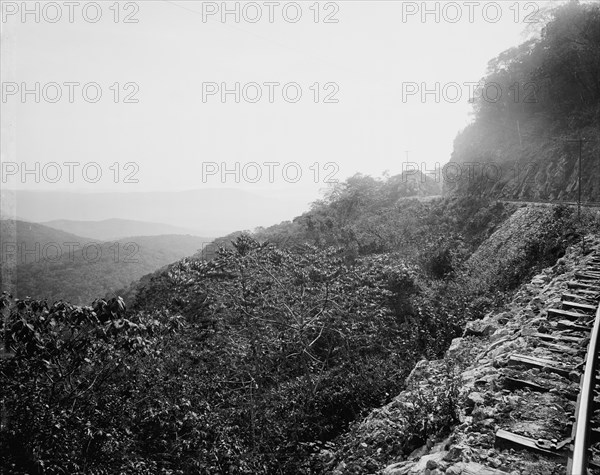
pixel 569 340
pixel 583 204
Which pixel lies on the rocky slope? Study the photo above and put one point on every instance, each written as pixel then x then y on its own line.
pixel 467 394
pixel 541 169
pixel 524 143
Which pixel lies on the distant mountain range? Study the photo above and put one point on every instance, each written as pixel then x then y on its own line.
pixel 208 212
pixel 110 229
pixel 55 264
pixel 81 246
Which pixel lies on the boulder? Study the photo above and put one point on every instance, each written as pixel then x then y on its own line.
pixel 479 328
pixel 455 347
pixel 399 468
pixel 431 460
pixel 475 399
pixel 455 453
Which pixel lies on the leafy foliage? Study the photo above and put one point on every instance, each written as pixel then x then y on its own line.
pixel 256 354
pixel 251 361
pixel 69 383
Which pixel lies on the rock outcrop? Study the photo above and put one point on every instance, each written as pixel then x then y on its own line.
pixel 471 383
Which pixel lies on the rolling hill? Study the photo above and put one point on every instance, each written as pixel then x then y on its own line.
pixel 108 229
pixel 211 212
pixel 54 264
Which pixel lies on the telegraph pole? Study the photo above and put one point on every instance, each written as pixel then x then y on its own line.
pixel 405 166
pixel 580 141
pixel 579 197
pixel 579 183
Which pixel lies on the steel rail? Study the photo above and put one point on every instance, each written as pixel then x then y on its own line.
pixel 589 204
pixel 579 460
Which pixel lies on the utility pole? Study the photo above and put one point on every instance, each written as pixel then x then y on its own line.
pixel 579 183
pixel 579 171
pixel 405 167
pixel 579 197
pixel 580 141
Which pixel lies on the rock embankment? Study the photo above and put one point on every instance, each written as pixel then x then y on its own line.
pixel 469 391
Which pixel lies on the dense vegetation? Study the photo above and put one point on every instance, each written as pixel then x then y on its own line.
pixel 539 99
pixel 251 356
pixel 53 264
pixel 252 360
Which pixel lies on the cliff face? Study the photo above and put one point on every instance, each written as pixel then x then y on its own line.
pixel 467 391
pixel 542 169
pixel 531 109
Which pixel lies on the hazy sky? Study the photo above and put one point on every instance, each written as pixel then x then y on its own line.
pixel 173 134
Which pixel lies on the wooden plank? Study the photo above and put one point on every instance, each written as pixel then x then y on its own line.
pixel 553 337
pixel 567 325
pixel 586 307
pixel 560 348
pixel 582 285
pixel 533 362
pixel 505 440
pixel 589 281
pixel 595 435
pixel 513 383
pixel 555 312
pixel 586 297
pixel 591 293
pixel 523 384
pixel 587 276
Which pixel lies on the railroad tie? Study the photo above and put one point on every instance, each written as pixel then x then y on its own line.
pixel 584 307
pixel 555 312
pixel 574 331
